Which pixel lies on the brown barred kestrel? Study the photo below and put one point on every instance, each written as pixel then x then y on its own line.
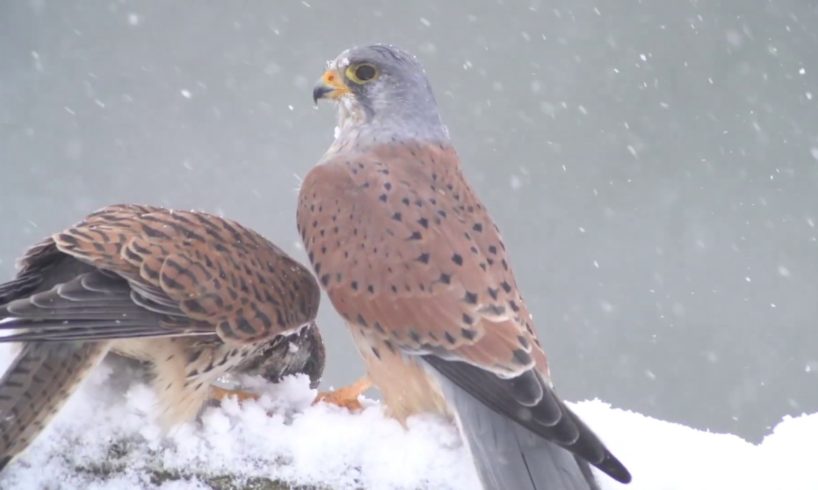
pixel 194 294
pixel 415 265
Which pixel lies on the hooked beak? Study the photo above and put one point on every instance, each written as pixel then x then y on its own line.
pixel 330 86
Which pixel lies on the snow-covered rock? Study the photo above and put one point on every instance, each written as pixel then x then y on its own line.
pixel 106 438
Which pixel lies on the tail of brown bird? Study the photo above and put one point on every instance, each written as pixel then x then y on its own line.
pixel 35 387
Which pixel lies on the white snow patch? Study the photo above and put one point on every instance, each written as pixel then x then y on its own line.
pixel 111 423
pixel 693 459
pixel 106 438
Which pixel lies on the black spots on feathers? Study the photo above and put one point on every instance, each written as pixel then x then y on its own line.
pixel 521 357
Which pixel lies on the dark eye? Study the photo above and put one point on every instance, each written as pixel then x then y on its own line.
pixel 362 73
pixel 365 72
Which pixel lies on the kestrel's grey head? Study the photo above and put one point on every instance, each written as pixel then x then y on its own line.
pixel 382 91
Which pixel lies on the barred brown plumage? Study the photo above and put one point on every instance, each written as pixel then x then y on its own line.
pixel 194 294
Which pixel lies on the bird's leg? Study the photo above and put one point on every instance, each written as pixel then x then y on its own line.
pixel 346 396
pixel 217 393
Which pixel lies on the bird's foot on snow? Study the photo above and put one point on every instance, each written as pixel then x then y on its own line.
pixel 217 393
pixel 346 396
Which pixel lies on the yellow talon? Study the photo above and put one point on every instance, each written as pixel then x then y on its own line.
pixel 346 396
pixel 217 393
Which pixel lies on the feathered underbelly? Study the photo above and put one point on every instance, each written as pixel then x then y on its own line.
pixel 405 385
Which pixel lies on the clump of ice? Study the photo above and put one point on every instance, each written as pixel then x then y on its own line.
pixel 106 438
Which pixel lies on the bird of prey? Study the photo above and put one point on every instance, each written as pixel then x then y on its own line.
pixel 413 262
pixel 194 294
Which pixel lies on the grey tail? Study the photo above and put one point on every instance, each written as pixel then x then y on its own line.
pixel 35 387
pixel 508 455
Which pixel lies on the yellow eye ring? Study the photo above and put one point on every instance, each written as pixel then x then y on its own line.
pixel 362 73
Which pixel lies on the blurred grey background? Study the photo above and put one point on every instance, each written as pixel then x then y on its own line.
pixel 653 165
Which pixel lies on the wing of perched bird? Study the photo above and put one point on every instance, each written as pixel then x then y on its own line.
pixel 195 294
pixel 412 260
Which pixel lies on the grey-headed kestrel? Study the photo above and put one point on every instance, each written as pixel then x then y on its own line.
pixel 194 294
pixel 415 265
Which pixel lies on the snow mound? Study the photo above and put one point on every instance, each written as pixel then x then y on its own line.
pixel 667 456
pixel 106 438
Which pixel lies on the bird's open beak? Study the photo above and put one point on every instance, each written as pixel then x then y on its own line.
pixel 330 86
